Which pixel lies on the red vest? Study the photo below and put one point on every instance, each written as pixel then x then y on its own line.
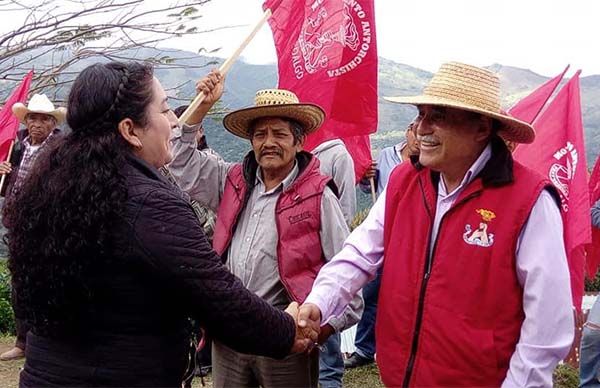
pixel 453 320
pixel 298 219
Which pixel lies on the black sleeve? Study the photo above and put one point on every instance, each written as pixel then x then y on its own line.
pixel 171 239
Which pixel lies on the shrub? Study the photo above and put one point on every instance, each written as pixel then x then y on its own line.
pixel 7 317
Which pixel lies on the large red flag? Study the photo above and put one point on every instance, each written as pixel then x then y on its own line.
pixel 558 152
pixel 593 250
pixel 327 55
pixel 529 107
pixel 9 124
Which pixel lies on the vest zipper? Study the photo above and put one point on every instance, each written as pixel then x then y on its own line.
pixel 426 276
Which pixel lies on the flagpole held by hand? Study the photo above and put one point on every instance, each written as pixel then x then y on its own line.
pixel 373 195
pixel 224 68
pixel 12 143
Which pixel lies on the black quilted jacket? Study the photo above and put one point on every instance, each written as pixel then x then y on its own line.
pixel 163 272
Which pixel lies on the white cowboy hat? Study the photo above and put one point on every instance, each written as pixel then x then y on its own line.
pixel 39 103
pixel 274 103
pixel 473 89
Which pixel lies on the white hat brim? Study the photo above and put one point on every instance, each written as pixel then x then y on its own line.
pixel 20 111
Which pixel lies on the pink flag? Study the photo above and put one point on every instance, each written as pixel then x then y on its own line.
pixel 327 55
pixel 558 152
pixel 9 124
pixel 528 108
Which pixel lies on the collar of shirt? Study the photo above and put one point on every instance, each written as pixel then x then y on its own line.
pixel 469 176
pixel 398 148
pixel 285 183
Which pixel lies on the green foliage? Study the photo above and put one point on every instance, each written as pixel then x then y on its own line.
pixel 7 318
pixel 593 284
pixel 565 376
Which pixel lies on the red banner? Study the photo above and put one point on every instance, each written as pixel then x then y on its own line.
pixel 528 108
pixel 327 55
pixel 9 124
pixel 558 153
pixel 593 250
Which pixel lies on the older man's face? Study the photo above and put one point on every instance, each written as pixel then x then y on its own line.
pixel 39 126
pixel 448 138
pixel 274 145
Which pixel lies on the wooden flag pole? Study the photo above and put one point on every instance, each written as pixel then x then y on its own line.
pixel 225 67
pixel 12 144
pixel 373 194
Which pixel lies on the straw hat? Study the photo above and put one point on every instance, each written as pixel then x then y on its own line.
pixel 274 103
pixel 474 89
pixel 39 103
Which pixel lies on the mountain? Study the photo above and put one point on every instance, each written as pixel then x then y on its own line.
pixel 395 79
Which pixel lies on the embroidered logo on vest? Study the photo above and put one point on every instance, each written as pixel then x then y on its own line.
pixel 480 236
pixel 299 217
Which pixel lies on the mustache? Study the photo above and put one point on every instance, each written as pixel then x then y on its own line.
pixel 271 150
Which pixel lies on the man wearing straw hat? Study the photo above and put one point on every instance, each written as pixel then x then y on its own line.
pixel 41 119
pixel 278 219
pixel 475 286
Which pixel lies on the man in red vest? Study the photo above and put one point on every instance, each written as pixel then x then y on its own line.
pixel 278 219
pixel 475 286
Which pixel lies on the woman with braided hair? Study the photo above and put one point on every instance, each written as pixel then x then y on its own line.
pixel 108 260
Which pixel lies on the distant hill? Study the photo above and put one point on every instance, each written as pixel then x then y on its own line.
pixel 394 79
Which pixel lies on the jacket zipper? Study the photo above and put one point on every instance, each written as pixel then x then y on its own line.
pixel 426 276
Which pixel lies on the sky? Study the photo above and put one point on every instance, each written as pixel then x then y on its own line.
pixel 541 35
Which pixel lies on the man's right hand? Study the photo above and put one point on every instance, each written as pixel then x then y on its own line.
pixel 5 168
pixel 212 85
pixel 309 318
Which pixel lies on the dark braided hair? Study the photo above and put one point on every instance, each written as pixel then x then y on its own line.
pixel 60 221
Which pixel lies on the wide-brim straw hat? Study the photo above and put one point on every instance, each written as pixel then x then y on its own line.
pixel 470 88
pixel 274 103
pixel 39 103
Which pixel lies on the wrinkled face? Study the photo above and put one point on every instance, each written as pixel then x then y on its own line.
pixel 155 136
pixel 448 138
pixel 411 140
pixel 39 126
pixel 274 145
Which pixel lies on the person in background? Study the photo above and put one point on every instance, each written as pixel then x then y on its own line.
pixel 589 350
pixel 336 162
pixel 41 119
pixel 380 171
pixel 108 259
pixel 278 221
pixel 475 289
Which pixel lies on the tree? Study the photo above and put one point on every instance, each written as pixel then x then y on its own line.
pixel 56 36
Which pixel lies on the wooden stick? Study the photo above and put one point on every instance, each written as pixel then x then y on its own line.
pixel 224 68
pixel 373 194
pixel 12 144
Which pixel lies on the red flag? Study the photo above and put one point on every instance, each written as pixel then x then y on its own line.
pixel 558 152
pixel 9 124
pixel 593 250
pixel 327 55
pixel 359 148
pixel 528 108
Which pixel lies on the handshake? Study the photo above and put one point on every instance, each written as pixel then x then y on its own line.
pixel 309 332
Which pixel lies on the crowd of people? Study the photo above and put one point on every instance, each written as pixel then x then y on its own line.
pixel 131 243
